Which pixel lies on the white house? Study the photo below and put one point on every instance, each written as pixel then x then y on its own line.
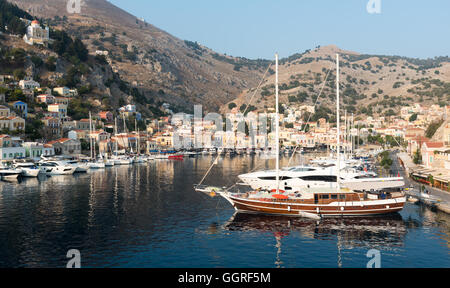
pixel 36 34
pixel 29 84
pixel 10 153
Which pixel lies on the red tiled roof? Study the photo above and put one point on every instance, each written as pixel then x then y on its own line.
pixel 62 140
pixel 421 139
pixel 434 144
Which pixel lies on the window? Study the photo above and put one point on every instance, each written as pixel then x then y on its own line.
pixel 334 196
pixel 342 197
pixel 275 178
pixel 325 197
pixel 322 178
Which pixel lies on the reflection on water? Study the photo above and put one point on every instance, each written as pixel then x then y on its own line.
pixel 148 215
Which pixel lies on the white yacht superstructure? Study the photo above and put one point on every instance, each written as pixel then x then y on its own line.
pixel 56 168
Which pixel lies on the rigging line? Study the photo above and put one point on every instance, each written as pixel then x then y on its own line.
pixel 256 90
pixel 315 104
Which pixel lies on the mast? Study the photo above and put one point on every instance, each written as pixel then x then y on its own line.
pixel 345 135
pixel 277 122
pixel 115 133
pixel 338 127
pixel 138 139
pixel 90 134
pixel 351 133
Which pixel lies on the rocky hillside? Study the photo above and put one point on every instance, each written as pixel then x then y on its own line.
pixel 163 67
pixel 370 84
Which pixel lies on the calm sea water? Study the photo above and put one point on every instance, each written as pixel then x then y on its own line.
pixel 148 215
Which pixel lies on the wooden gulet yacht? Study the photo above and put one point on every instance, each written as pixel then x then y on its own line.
pixel 314 203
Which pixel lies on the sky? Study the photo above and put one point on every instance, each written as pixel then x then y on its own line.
pixel 260 28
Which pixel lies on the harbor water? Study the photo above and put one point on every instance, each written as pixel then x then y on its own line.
pixel 148 215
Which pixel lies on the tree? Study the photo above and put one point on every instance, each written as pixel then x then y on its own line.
pixel 19 74
pixel 37 61
pixel 50 64
pixel 432 128
pixel 413 117
pixel 417 157
pixel 232 105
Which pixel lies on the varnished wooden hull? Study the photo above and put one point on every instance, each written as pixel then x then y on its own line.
pixel 286 208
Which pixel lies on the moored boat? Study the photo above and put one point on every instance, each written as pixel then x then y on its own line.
pixel 316 202
pixel 29 169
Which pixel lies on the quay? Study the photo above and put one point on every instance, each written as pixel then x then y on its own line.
pixel 417 176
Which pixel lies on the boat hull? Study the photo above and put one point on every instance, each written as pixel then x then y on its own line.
pixel 27 172
pixel 288 208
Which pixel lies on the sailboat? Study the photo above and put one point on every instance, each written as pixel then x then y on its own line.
pixel 119 159
pixel 95 164
pixel 315 203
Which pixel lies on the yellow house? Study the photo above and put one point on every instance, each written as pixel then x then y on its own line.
pixel 17 123
pixel 4 111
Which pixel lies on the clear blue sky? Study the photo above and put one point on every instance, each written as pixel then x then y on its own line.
pixel 259 28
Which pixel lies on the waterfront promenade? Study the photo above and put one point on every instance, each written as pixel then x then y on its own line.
pixel 410 167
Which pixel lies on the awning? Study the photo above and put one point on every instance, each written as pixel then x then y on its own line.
pixel 443 180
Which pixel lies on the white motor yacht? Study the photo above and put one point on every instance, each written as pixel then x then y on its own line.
pixel 80 167
pixel 7 173
pixel 29 169
pixel 56 168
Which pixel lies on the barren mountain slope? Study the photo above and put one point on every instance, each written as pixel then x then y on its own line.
pixel 165 67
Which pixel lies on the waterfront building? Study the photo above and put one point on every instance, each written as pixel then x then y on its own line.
pixel 78 134
pixel 124 140
pixel 5 141
pixel 36 150
pixel 11 153
pixel 99 135
pixel 66 146
pixel 428 151
pixel 416 144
